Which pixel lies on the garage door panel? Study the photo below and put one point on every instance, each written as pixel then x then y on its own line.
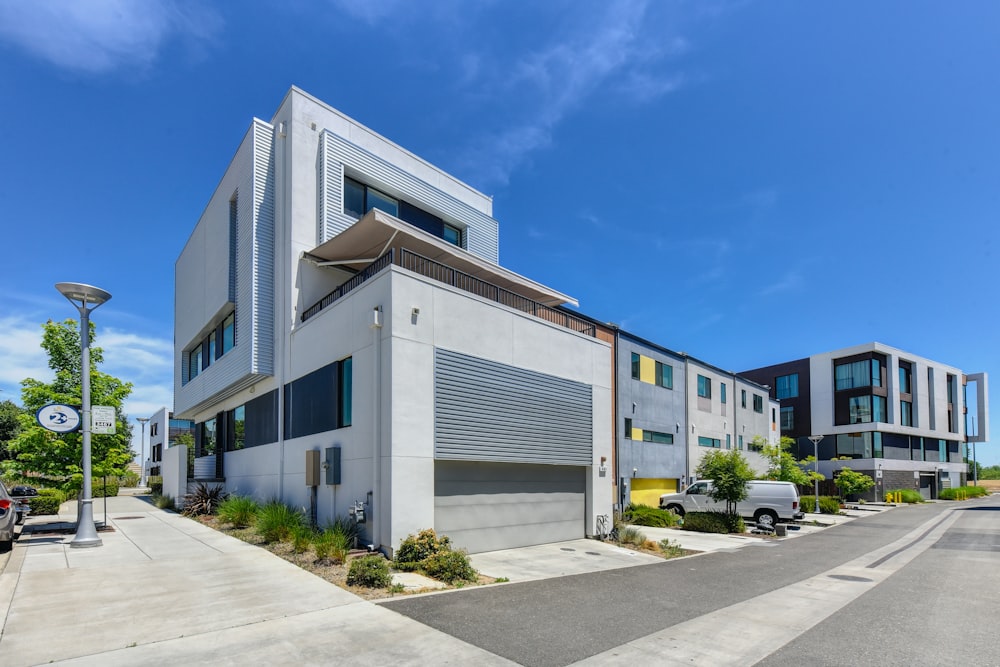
pixel 489 506
pixel 512 514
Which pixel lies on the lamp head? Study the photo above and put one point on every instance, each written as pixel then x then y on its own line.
pixel 85 294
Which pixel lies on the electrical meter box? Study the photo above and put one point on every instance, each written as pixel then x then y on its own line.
pixel 332 465
pixel 312 468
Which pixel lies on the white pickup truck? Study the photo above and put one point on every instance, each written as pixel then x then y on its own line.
pixel 766 502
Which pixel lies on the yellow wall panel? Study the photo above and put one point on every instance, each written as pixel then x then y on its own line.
pixel 648 491
pixel 637 434
pixel 647 370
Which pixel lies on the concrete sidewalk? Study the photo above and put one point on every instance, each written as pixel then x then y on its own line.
pixel 166 590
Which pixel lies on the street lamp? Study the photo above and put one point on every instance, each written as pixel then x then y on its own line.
pixel 815 441
pixel 86 298
pixel 142 455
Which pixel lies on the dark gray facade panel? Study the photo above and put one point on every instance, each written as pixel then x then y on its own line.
pixel 487 411
pixel 489 506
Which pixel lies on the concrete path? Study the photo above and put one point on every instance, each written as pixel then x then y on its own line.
pixel 560 559
pixel 166 590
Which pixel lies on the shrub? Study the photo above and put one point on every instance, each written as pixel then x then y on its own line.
pixel 714 522
pixel 155 484
pixel 631 535
pixel 101 490
pixel 54 493
pixel 370 572
pixel 238 511
pixel 413 550
pixel 671 548
pixel 962 492
pixel 164 502
pixel 129 480
pixel 909 495
pixel 644 515
pixel 827 504
pixel 44 504
pixel 348 527
pixel 302 538
pixel 276 521
pixel 204 499
pixel 331 546
pixel 449 567
pixel 851 483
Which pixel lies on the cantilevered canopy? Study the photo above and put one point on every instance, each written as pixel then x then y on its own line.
pixel 374 234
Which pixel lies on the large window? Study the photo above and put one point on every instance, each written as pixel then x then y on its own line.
pixel 654 436
pixel 905 413
pixel 864 373
pixel 208 438
pixel 636 365
pixel 722 392
pixel 709 442
pixel 664 375
pixel 207 350
pixel 860 409
pixel 704 387
pixel 360 198
pixel 758 404
pixel 905 377
pixel 786 386
pixel 787 418
pixel 320 401
pixel 239 428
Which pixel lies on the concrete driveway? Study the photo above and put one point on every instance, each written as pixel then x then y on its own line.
pixel 166 590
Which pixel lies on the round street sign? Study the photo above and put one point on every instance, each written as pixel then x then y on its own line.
pixel 58 417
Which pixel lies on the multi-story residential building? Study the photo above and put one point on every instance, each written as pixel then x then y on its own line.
pixel 673 408
pixel 165 432
pixel 893 415
pixel 340 306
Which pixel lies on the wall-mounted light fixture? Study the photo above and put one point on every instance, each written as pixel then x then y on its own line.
pixel 678 425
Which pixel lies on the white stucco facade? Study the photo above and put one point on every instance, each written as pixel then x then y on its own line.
pixel 275 239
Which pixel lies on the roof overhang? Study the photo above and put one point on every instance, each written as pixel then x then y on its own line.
pixel 377 232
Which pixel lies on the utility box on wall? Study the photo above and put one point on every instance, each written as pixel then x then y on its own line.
pixel 312 468
pixel 333 465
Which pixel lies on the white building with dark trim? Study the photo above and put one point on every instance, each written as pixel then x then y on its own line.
pixel 340 303
pixel 901 418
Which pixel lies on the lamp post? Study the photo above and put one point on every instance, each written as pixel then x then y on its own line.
pixel 142 454
pixel 815 441
pixel 86 298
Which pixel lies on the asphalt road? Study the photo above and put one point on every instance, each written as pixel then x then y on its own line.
pixel 560 621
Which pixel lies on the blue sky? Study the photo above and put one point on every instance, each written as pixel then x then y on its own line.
pixel 749 182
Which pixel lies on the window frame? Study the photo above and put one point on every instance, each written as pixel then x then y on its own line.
pixel 704 386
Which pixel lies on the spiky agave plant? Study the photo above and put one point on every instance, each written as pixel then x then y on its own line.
pixel 204 499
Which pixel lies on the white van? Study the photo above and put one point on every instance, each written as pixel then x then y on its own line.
pixel 766 502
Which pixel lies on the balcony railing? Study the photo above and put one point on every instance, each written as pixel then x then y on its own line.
pixel 463 281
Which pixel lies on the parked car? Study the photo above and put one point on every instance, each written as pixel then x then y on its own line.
pixel 23 490
pixel 8 517
pixel 766 502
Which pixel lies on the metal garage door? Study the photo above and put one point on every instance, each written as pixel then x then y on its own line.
pixel 490 506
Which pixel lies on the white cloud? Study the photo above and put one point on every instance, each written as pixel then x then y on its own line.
pixel 610 47
pixel 21 355
pixel 98 36
pixel 790 281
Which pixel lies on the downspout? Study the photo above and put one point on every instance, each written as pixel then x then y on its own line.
pixel 280 311
pixel 376 508
pixel 619 499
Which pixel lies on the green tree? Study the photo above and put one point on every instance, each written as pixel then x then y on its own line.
pixel 57 456
pixel 730 473
pixel 850 482
pixel 782 466
pixel 9 425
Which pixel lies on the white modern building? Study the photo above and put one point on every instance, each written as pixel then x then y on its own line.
pixel 901 418
pixel 340 313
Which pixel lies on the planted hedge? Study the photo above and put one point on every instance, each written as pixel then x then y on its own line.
pixel 962 493
pixel 644 515
pixel 714 522
pixel 47 504
pixel 827 504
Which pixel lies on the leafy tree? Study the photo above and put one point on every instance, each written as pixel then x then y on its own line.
pixel 782 466
pixel 850 482
pixel 58 456
pixel 9 425
pixel 730 473
pixel 975 466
